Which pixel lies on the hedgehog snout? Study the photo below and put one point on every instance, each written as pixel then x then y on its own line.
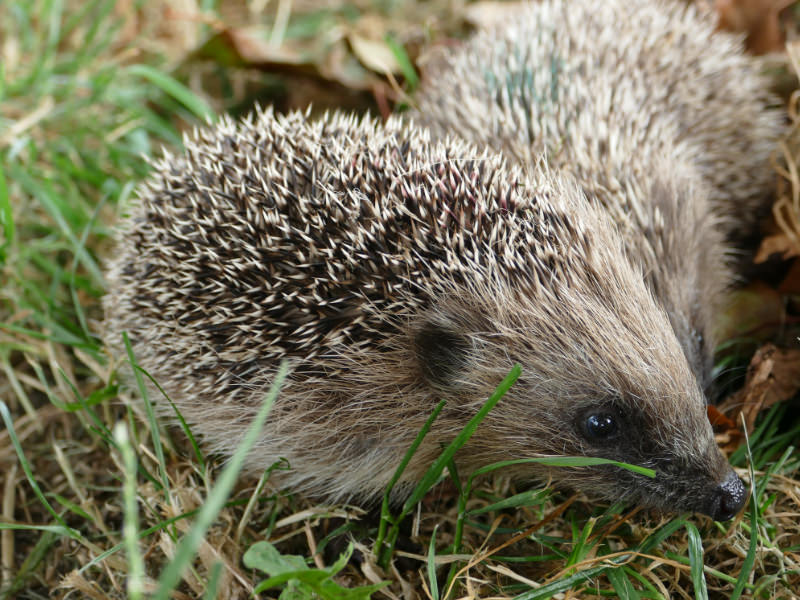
pixel 727 499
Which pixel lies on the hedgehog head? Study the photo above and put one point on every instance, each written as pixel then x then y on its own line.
pixel 601 378
pixel 604 374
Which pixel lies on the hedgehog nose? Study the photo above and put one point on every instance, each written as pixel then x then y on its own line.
pixel 728 499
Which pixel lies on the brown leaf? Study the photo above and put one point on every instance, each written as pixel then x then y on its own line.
pixel 326 58
pixel 374 54
pixel 726 433
pixel 719 419
pixel 777 243
pixel 772 377
pixel 759 19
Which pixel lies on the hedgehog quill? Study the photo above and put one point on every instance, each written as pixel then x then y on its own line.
pixel 394 268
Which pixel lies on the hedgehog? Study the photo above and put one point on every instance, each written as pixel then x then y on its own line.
pixel 660 119
pixel 393 270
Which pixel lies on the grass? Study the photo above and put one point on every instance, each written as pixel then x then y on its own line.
pixel 100 501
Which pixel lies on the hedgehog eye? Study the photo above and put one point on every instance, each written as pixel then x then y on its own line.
pixel 601 426
pixel 443 354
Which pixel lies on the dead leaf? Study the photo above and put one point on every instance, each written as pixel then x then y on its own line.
pixel 772 377
pixel 719 419
pixel 374 54
pixel 759 19
pixel 726 432
pixel 326 58
pixel 777 243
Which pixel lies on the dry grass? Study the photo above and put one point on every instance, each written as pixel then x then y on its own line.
pixel 74 118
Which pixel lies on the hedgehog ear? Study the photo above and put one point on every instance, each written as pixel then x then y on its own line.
pixel 443 353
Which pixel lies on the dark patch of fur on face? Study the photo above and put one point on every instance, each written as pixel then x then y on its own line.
pixel 687 481
pixel 632 438
pixel 442 352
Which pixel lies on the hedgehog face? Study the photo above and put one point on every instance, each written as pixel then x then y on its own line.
pixel 699 479
pixel 629 397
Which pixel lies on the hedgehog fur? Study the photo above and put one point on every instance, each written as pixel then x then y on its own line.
pixel 659 118
pixel 393 271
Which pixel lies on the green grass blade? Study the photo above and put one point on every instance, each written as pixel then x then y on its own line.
pixel 562 585
pixel 130 526
pixel 72 507
pixel 162 526
pixel 706 569
pixel 173 88
pixel 386 516
pixel 655 538
pixel 649 590
pixel 406 66
pixel 750 557
pixel 73 274
pixel 59 529
pixel 216 499
pixel 435 470
pixel 527 498
pixel 151 418
pixel 696 562
pixel 622 584
pixel 198 453
pixel 587 461
pixel 6 219
pixel 579 546
pixel 4 412
pixel 413 448
pixel 565 461
pixel 431 566
pixel 213 581
pixel 54 204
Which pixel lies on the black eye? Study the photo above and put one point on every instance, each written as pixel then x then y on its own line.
pixel 600 426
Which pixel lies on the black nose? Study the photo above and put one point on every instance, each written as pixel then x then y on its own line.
pixel 728 498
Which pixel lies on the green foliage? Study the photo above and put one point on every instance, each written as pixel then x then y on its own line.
pixel 62 527
pixel 301 581
pixel 433 582
pixel 130 528
pixel 219 494
pixel 744 575
pixel 390 524
pixel 407 67
pixel 434 472
pixel 696 562
pixel 75 122
pixel 622 584
pixel 6 220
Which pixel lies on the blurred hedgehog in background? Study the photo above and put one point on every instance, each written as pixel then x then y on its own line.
pixel 659 118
